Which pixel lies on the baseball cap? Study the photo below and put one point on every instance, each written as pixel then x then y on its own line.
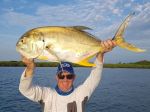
pixel 65 66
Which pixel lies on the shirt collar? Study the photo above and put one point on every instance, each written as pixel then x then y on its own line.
pixel 60 92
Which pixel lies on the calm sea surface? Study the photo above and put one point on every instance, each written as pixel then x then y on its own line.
pixel 120 90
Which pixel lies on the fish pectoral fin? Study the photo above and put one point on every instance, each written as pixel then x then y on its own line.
pixel 53 53
pixel 85 62
pixel 130 47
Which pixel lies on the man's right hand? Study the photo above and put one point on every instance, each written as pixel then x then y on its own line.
pixel 30 66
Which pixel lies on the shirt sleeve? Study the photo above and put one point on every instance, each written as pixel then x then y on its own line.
pixel 32 92
pixel 89 85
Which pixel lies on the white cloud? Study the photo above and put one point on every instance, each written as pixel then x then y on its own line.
pixel 141 21
pixel 103 16
pixel 83 12
pixel 19 19
pixel 127 5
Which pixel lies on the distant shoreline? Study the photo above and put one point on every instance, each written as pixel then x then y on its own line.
pixel 141 64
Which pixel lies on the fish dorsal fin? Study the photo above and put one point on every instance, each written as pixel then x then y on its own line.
pixel 81 27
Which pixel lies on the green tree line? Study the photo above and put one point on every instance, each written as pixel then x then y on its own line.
pixel 140 64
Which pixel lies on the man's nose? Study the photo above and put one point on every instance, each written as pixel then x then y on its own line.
pixel 65 79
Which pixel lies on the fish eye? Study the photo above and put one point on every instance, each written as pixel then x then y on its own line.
pixel 22 40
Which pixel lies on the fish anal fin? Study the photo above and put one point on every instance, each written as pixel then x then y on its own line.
pixel 85 62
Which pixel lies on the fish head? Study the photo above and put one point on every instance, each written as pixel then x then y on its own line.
pixel 30 45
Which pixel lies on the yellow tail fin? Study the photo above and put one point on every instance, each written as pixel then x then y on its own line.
pixel 120 40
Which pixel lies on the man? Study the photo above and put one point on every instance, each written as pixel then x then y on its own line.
pixel 64 98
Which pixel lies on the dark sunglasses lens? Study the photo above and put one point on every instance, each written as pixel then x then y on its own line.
pixel 63 76
pixel 70 76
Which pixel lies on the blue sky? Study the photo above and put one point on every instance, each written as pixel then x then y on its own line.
pixel 104 17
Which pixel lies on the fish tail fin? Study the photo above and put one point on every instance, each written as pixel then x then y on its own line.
pixel 118 38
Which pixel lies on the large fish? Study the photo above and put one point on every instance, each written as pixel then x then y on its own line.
pixel 72 44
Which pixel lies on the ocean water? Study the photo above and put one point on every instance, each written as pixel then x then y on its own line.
pixel 120 90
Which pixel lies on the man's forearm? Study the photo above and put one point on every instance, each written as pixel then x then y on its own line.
pixel 29 71
pixel 100 57
pixel 27 88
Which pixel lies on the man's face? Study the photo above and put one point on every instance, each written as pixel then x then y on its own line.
pixel 65 81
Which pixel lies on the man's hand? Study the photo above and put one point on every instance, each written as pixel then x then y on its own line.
pixel 28 62
pixel 107 46
pixel 30 66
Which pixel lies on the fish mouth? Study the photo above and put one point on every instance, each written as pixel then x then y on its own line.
pixel 20 50
pixel 28 54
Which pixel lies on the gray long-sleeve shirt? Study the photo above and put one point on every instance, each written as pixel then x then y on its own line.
pixel 51 101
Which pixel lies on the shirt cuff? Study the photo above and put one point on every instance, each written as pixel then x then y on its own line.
pixel 98 64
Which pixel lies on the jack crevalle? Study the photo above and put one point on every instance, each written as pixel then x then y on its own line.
pixel 72 44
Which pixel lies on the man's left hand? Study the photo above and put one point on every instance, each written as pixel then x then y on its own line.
pixel 108 45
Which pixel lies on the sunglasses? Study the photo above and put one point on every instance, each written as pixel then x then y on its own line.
pixel 69 77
